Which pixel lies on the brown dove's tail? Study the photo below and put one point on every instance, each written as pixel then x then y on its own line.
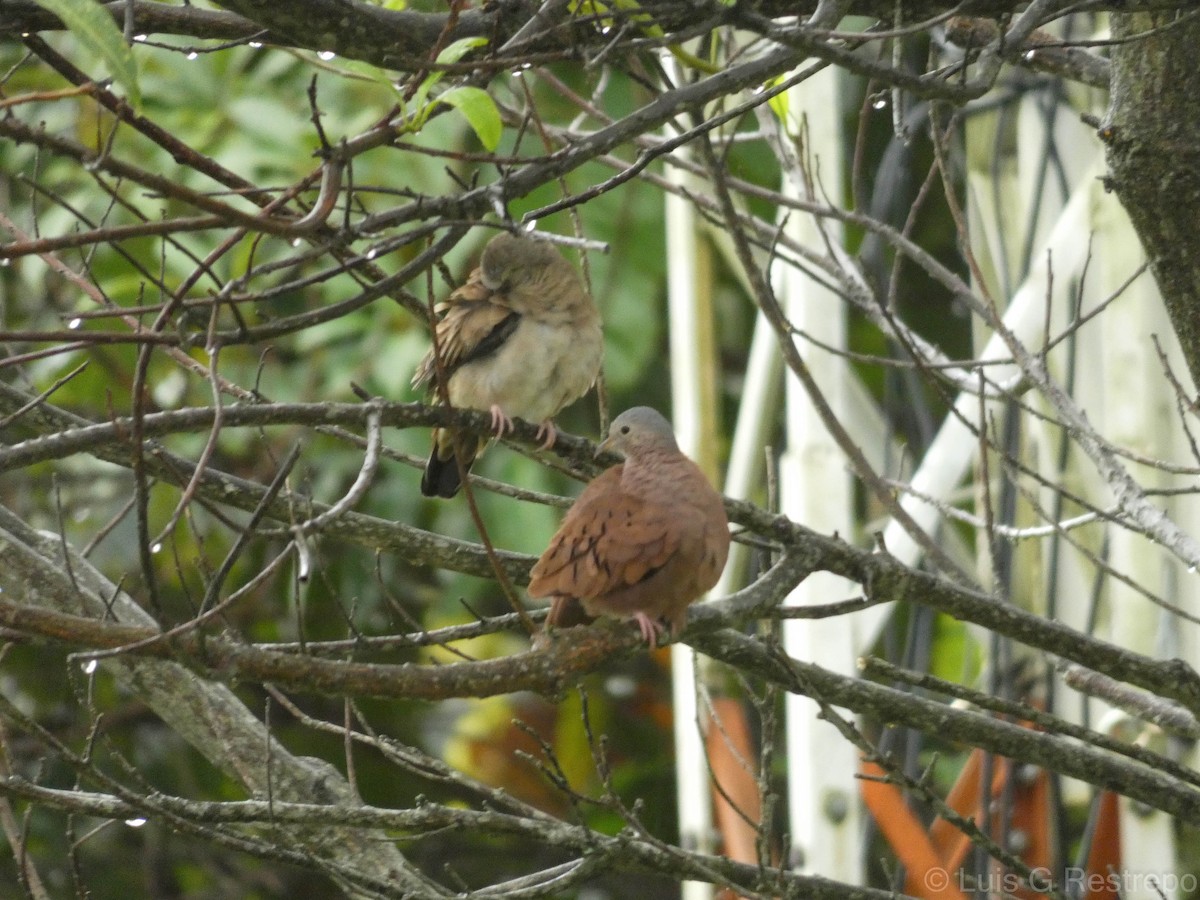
pixel 566 612
pixel 441 477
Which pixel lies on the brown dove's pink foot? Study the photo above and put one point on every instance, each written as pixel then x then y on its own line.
pixel 651 630
pixel 547 434
pixel 501 424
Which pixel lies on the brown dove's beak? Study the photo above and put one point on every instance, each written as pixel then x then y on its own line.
pixel 604 446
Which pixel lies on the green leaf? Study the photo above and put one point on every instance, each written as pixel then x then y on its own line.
pixel 456 50
pixel 957 656
pixel 479 109
pixel 778 103
pixel 95 29
pixel 366 72
pixel 451 53
pixel 593 9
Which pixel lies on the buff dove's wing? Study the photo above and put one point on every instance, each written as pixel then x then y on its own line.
pixel 643 541
pixel 521 338
pixel 474 323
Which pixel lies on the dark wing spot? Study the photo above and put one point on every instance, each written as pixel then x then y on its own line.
pixel 493 340
pixel 650 573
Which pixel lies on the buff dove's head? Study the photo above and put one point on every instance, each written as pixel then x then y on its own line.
pixel 644 540
pixel 521 338
pixel 511 261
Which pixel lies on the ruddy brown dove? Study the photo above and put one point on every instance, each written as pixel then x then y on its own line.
pixel 520 338
pixel 644 539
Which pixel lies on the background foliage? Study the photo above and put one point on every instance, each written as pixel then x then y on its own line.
pixel 159 256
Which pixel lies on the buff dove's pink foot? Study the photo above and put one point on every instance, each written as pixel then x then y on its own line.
pixel 547 434
pixel 501 424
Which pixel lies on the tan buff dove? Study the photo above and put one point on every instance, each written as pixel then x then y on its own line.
pixel 521 338
pixel 644 539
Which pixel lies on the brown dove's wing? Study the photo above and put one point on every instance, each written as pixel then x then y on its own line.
pixel 609 540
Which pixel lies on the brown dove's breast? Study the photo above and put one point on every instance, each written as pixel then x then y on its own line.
pixel 691 568
pixel 696 512
pixel 540 369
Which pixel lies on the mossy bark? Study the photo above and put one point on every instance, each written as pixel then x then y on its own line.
pixel 1153 137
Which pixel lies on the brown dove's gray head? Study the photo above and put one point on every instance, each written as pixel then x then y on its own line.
pixel 509 260
pixel 637 430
